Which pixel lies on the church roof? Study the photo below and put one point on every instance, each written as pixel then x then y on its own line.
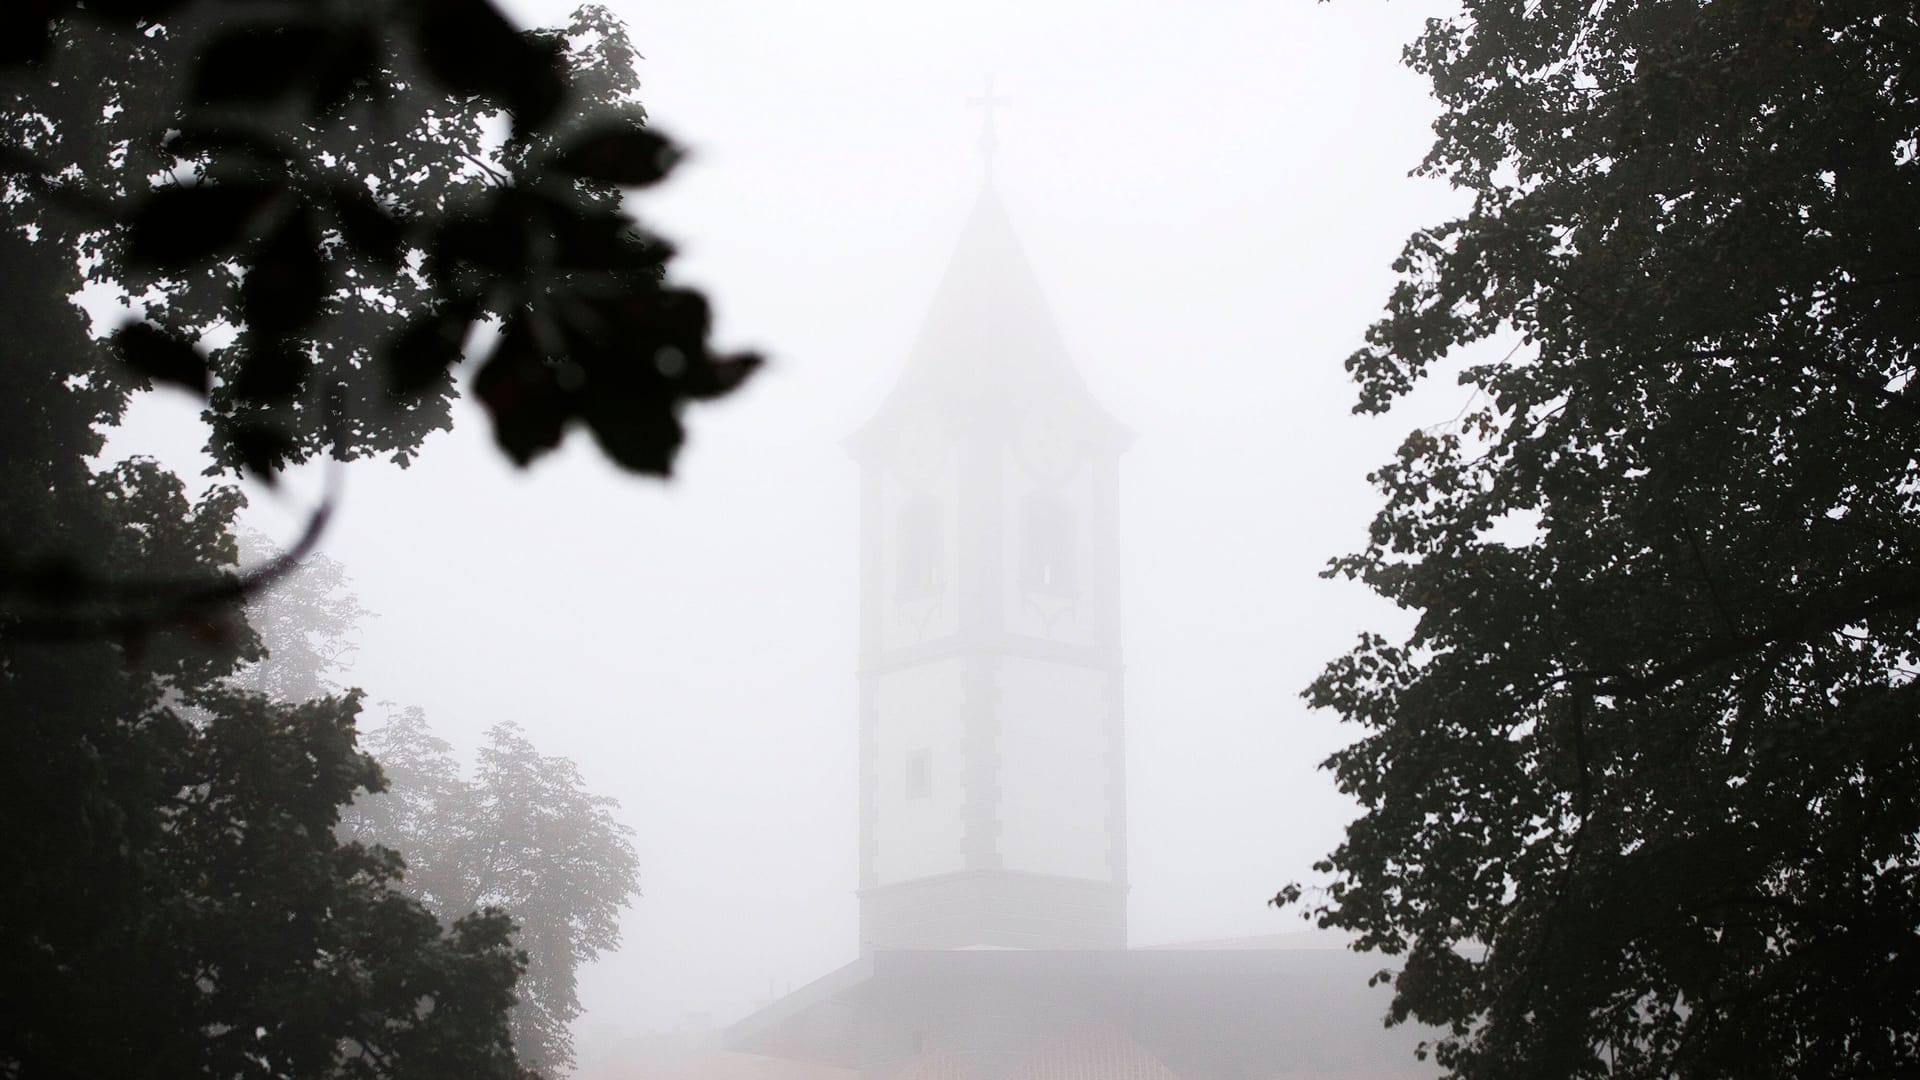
pixel 711 1066
pixel 989 339
pixel 939 1064
pixel 1097 1051
pixel 1199 1012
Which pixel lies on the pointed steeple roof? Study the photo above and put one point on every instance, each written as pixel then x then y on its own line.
pixel 989 342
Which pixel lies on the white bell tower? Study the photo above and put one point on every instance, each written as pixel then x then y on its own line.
pixel 992 784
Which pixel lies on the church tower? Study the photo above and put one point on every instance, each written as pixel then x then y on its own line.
pixel 993 832
pixel 992 780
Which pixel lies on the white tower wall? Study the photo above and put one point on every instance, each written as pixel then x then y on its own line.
pixel 993 807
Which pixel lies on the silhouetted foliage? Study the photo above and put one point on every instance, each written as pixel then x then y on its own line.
pixel 1638 790
pixel 282 193
pixel 523 836
pixel 175 902
pixel 327 183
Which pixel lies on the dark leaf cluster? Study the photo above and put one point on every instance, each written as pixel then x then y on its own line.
pixel 175 901
pixel 278 192
pixel 1639 788
pixel 316 213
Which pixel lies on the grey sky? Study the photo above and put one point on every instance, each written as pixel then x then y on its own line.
pixel 1210 193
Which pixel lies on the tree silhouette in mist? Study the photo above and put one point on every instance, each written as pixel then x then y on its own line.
pixel 1638 790
pixel 313 212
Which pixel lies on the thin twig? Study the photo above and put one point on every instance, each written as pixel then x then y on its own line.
pixel 135 607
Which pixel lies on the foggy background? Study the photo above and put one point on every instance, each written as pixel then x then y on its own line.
pixel 1211 195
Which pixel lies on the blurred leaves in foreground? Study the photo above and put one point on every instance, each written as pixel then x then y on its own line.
pixel 312 213
pixel 349 198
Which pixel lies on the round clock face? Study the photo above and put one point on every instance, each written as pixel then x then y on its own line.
pixel 1048 450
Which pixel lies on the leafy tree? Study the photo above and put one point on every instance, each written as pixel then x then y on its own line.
pixel 523 836
pixel 306 624
pixel 309 219
pixel 172 898
pixel 422 812
pixel 1638 788
pixel 236 936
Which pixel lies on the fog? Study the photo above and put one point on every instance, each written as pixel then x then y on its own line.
pixel 1210 195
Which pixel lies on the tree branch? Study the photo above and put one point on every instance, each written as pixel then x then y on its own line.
pixel 1852 380
pixel 135 607
pixel 1798 627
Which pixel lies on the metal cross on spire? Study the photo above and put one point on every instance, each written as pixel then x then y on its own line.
pixel 986 103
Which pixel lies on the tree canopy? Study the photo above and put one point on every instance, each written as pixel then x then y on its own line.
pixel 1638 789
pixel 312 211
pixel 307 624
pixel 524 836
